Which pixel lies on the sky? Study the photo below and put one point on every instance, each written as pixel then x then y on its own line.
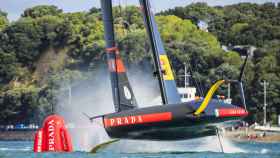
pixel 15 8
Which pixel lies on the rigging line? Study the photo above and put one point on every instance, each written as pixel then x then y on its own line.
pixel 199 81
pixel 195 81
pixel 120 7
pixel 125 8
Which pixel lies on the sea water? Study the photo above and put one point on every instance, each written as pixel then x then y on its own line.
pixel 199 148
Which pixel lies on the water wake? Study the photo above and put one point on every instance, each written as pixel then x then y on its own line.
pixel 16 149
pixel 207 144
pixel 212 144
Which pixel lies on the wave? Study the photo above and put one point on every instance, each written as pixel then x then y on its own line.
pixel 16 149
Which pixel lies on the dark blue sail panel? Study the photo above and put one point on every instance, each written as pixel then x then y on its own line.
pixel 168 86
pixel 157 38
pixel 172 93
pixel 123 95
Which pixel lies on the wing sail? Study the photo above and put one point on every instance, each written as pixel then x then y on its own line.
pixel 123 95
pixel 168 86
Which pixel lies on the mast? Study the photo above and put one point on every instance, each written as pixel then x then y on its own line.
pixel 123 95
pixel 186 76
pixel 164 72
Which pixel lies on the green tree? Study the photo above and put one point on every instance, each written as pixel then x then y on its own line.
pixel 18 104
pixel 28 37
pixel 195 12
pixel 129 16
pixel 7 66
pixel 24 38
pixel 52 31
pixel 3 20
pixel 85 35
pixel 134 46
pixel 42 10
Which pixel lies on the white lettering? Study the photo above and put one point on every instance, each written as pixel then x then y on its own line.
pixel 112 122
pixel 39 145
pixel 133 120
pixel 51 135
pixel 119 121
pixel 51 147
pixel 51 122
pixel 140 119
pixel 126 120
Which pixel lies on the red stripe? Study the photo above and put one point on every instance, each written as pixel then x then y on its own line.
pixel 116 66
pixel 233 112
pixel 120 66
pixel 38 141
pixel 138 119
pixel 167 116
pixel 112 50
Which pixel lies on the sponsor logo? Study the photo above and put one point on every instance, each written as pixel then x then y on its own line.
pixel 127 93
pixel 138 119
pixel 230 112
pixel 51 135
pixel 166 68
pixel 40 141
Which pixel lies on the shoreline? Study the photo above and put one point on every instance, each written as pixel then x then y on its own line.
pixel 17 135
pixel 242 135
pixel 236 135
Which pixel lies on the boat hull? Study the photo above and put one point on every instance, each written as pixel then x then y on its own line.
pixel 168 122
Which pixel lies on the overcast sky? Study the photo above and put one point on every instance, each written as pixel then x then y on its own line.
pixel 14 8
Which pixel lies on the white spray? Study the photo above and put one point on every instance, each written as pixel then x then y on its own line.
pixel 94 97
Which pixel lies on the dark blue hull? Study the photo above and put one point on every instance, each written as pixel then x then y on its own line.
pixel 167 122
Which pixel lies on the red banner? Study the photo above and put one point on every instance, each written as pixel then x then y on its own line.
pixel 231 112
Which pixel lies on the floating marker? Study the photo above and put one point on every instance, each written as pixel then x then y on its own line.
pixel 53 136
